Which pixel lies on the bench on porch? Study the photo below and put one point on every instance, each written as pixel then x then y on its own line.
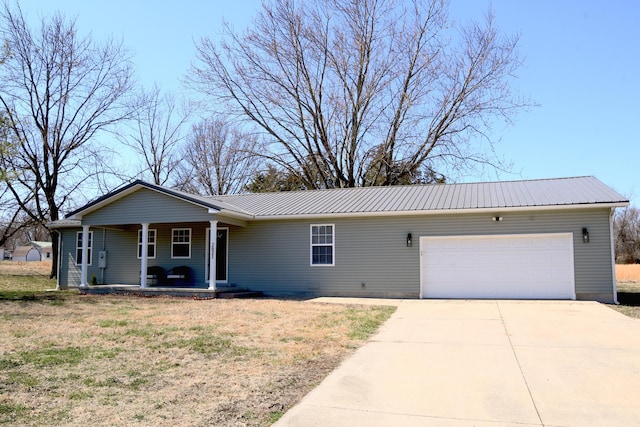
pixel 156 275
pixel 180 276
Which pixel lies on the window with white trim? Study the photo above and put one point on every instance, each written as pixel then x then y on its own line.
pixel 79 248
pixel 181 243
pixel 151 244
pixel 322 244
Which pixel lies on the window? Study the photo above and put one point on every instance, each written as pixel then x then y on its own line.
pixel 181 243
pixel 79 248
pixel 322 244
pixel 151 244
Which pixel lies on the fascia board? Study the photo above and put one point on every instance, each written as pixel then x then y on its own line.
pixel 445 211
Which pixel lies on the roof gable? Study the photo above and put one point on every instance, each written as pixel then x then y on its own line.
pixel 113 196
pixel 147 206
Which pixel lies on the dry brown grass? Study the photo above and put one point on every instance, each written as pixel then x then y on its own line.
pixel 23 268
pixel 116 360
pixel 628 273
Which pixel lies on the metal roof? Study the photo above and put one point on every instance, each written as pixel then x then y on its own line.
pixel 410 199
pixel 584 191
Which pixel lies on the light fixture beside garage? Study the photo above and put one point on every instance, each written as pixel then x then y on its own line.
pixel 585 235
pixel 496 218
pixel 409 242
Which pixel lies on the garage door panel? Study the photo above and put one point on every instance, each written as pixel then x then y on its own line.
pixel 503 266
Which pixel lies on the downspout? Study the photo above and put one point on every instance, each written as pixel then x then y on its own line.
pixel 59 260
pixel 613 258
pixel 104 238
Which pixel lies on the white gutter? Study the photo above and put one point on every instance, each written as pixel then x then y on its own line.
pixel 613 257
pixel 63 223
pixel 492 210
pixel 59 260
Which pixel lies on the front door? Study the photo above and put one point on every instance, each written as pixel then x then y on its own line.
pixel 221 254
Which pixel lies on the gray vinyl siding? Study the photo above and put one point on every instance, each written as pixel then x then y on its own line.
pixel 147 206
pixel 371 256
pixel 123 265
pixel 372 259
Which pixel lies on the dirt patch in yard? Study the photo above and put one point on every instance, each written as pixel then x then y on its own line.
pixel 116 360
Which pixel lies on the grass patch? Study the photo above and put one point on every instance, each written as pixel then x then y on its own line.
pixel 29 288
pixel 81 395
pixel 22 378
pixel 52 356
pixel 8 363
pixel 275 416
pixel 112 323
pixel 11 412
pixel 213 344
pixel 365 323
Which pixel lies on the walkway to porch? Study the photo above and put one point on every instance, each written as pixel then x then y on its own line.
pixel 199 293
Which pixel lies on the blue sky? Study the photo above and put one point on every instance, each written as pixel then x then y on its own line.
pixel 582 59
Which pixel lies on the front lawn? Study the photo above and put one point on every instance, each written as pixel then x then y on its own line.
pixel 67 359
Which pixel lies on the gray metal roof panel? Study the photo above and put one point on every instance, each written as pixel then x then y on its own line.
pixel 434 197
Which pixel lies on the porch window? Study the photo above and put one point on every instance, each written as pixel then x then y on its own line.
pixel 151 244
pixel 181 243
pixel 79 248
pixel 322 244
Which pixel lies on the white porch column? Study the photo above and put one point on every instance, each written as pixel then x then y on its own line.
pixel 85 256
pixel 213 235
pixel 143 257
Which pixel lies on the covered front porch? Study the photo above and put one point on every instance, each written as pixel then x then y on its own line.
pixel 167 255
pixel 143 236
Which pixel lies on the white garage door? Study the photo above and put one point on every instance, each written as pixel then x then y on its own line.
pixel 532 266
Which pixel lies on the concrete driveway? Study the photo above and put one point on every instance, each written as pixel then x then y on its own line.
pixel 486 363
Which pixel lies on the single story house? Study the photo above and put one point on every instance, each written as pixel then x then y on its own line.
pixel 534 239
pixel 33 251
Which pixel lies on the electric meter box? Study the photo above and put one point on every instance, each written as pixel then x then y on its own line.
pixel 102 259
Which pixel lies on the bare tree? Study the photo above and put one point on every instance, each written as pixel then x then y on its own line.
pixel 155 134
pixel 58 91
pixel 217 159
pixel 13 220
pixel 365 91
pixel 626 226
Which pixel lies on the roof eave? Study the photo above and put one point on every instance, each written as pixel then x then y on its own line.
pixel 65 223
pixel 496 209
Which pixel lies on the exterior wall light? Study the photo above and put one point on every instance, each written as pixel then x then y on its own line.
pixel 585 235
pixel 496 218
pixel 409 242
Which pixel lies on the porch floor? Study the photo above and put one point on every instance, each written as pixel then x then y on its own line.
pixel 190 292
